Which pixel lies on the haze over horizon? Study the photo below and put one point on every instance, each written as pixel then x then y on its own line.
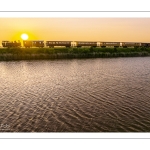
pixel 76 29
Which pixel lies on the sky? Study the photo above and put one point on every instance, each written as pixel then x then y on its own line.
pixel 76 29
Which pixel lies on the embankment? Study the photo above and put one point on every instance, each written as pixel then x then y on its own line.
pixel 69 53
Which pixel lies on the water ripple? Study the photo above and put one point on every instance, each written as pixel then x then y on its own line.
pixel 87 95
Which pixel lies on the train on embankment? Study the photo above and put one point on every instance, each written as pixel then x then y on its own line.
pixel 52 44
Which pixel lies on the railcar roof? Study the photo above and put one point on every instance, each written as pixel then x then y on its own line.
pixel 33 40
pixel 58 41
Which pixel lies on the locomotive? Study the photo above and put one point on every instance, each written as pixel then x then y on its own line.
pixel 52 44
pixel 11 44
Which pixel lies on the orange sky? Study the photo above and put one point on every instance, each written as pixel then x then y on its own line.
pixel 90 29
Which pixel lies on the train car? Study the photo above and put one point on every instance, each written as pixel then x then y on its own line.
pixel 9 44
pixel 109 44
pixel 51 44
pixel 130 44
pixel 145 44
pixel 85 43
pixel 28 43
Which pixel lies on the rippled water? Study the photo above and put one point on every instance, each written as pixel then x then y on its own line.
pixel 79 95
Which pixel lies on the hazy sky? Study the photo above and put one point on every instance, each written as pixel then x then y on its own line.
pixel 90 29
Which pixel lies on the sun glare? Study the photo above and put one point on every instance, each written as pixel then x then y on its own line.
pixel 24 36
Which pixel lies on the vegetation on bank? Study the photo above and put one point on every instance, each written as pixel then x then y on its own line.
pixel 56 53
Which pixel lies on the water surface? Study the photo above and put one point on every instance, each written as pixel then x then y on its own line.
pixel 78 95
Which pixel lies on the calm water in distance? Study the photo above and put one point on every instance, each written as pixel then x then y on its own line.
pixel 78 95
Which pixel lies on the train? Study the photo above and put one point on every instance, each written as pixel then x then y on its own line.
pixel 52 44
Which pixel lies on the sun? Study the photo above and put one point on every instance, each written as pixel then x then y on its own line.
pixel 24 36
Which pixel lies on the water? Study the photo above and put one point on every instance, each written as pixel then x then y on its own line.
pixel 79 95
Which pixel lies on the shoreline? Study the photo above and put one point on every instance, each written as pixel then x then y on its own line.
pixel 69 53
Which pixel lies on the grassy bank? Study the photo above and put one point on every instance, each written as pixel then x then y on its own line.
pixel 66 53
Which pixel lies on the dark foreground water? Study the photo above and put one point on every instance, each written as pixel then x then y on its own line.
pixel 80 95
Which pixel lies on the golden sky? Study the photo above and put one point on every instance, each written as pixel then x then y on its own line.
pixel 84 29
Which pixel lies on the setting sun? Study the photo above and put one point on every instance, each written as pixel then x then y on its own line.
pixel 24 36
